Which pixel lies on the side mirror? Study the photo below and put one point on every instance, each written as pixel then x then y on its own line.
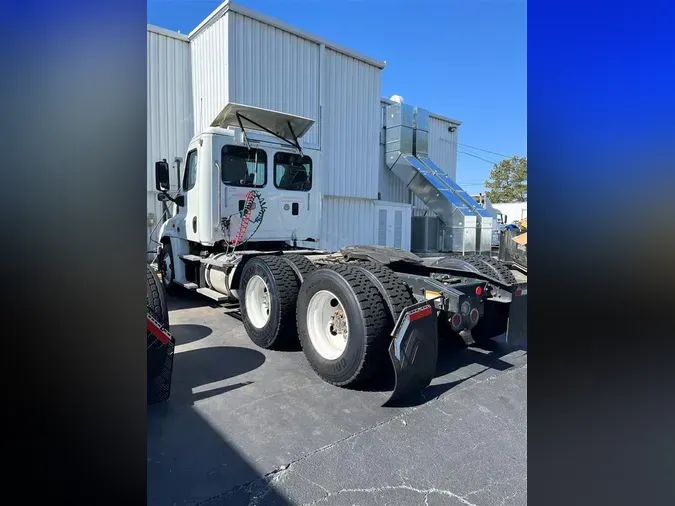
pixel 162 176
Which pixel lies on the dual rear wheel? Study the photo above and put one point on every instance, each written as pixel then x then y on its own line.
pixel 339 314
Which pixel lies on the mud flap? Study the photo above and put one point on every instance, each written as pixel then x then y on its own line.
pixel 516 333
pixel 414 350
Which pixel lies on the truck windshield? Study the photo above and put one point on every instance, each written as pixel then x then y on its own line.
pixel 244 167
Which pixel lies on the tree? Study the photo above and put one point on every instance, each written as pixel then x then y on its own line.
pixel 508 181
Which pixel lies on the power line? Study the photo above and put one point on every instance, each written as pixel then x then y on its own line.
pixel 480 158
pixel 485 150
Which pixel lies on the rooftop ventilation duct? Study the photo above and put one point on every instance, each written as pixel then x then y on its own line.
pixel 484 221
pixel 457 217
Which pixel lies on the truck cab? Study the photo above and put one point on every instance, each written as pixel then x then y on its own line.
pixel 225 162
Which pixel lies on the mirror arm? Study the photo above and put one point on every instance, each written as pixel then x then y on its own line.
pixel 172 199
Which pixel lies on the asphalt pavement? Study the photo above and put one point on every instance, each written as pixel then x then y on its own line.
pixel 245 426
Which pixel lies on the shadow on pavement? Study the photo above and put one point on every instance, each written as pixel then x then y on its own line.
pixel 194 369
pixel 187 299
pixel 186 333
pixel 452 356
pixel 188 460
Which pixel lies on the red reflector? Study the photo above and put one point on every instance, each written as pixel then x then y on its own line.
pixel 420 313
pixel 456 320
pixel 154 329
pixel 479 290
pixel 474 315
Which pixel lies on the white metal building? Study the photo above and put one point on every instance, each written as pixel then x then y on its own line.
pixel 239 55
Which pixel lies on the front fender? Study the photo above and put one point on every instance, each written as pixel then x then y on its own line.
pixel 169 229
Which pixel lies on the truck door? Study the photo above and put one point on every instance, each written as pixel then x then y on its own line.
pixel 242 170
pixel 292 175
pixel 190 190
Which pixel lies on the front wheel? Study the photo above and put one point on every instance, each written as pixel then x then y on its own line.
pixel 270 290
pixel 165 267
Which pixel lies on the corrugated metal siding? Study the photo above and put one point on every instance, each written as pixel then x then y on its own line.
pixel 170 119
pixel 274 69
pixel 350 129
pixel 347 222
pixel 210 72
pixel 443 146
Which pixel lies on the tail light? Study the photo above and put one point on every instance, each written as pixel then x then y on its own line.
pixel 474 315
pixel 520 291
pixel 479 290
pixel 456 321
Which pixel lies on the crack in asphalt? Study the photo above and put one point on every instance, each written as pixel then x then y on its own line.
pixel 257 489
pixel 492 484
pixel 385 488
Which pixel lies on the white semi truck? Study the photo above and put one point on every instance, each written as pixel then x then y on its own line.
pixel 245 229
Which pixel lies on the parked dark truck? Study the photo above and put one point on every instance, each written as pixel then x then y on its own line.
pixel 245 243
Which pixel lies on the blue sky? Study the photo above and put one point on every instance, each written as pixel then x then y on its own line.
pixel 466 59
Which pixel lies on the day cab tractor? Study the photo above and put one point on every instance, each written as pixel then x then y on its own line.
pixel 245 230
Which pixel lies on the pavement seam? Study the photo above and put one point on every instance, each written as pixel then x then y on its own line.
pixel 265 480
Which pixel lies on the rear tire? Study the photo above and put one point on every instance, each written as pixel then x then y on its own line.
pixel 269 292
pixel 368 323
pixel 502 270
pixel 301 263
pixel 396 293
